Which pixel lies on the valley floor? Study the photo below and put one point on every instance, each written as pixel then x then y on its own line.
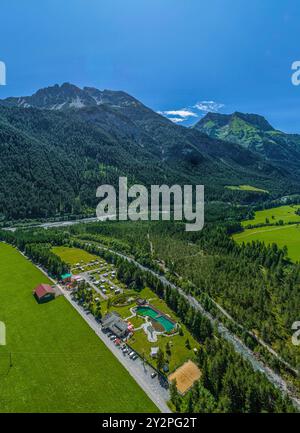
pixel 287 235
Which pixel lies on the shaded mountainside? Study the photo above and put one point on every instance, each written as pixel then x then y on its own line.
pixel 59 145
pixel 253 132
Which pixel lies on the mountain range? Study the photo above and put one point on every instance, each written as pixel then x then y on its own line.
pixel 254 133
pixel 58 145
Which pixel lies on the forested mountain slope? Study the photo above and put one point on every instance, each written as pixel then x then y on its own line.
pixel 59 145
pixel 255 133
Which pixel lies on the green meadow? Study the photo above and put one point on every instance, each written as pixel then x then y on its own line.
pixel 71 256
pixel 53 361
pixel 246 188
pixel 274 215
pixel 287 235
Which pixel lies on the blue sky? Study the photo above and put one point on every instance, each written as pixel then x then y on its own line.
pixel 170 54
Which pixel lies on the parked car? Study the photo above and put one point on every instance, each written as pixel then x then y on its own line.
pixel 153 375
pixel 134 357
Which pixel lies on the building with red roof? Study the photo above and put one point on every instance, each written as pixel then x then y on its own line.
pixel 44 293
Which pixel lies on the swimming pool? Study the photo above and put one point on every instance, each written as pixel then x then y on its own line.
pixel 167 324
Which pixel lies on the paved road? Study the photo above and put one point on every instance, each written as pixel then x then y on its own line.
pixel 140 372
pixel 87 276
pixel 55 224
pixel 88 279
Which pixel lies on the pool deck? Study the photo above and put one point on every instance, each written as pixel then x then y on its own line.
pixel 159 314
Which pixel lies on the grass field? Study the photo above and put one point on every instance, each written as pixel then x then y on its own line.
pixel 58 363
pixel 288 235
pixel 284 213
pixel 246 188
pixel 71 256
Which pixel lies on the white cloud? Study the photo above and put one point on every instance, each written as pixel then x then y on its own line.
pixel 207 106
pixel 177 119
pixel 197 110
pixel 181 113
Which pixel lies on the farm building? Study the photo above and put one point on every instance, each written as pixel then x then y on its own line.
pixel 114 323
pixel 44 293
pixel 66 278
pixel 141 301
pixel 77 278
